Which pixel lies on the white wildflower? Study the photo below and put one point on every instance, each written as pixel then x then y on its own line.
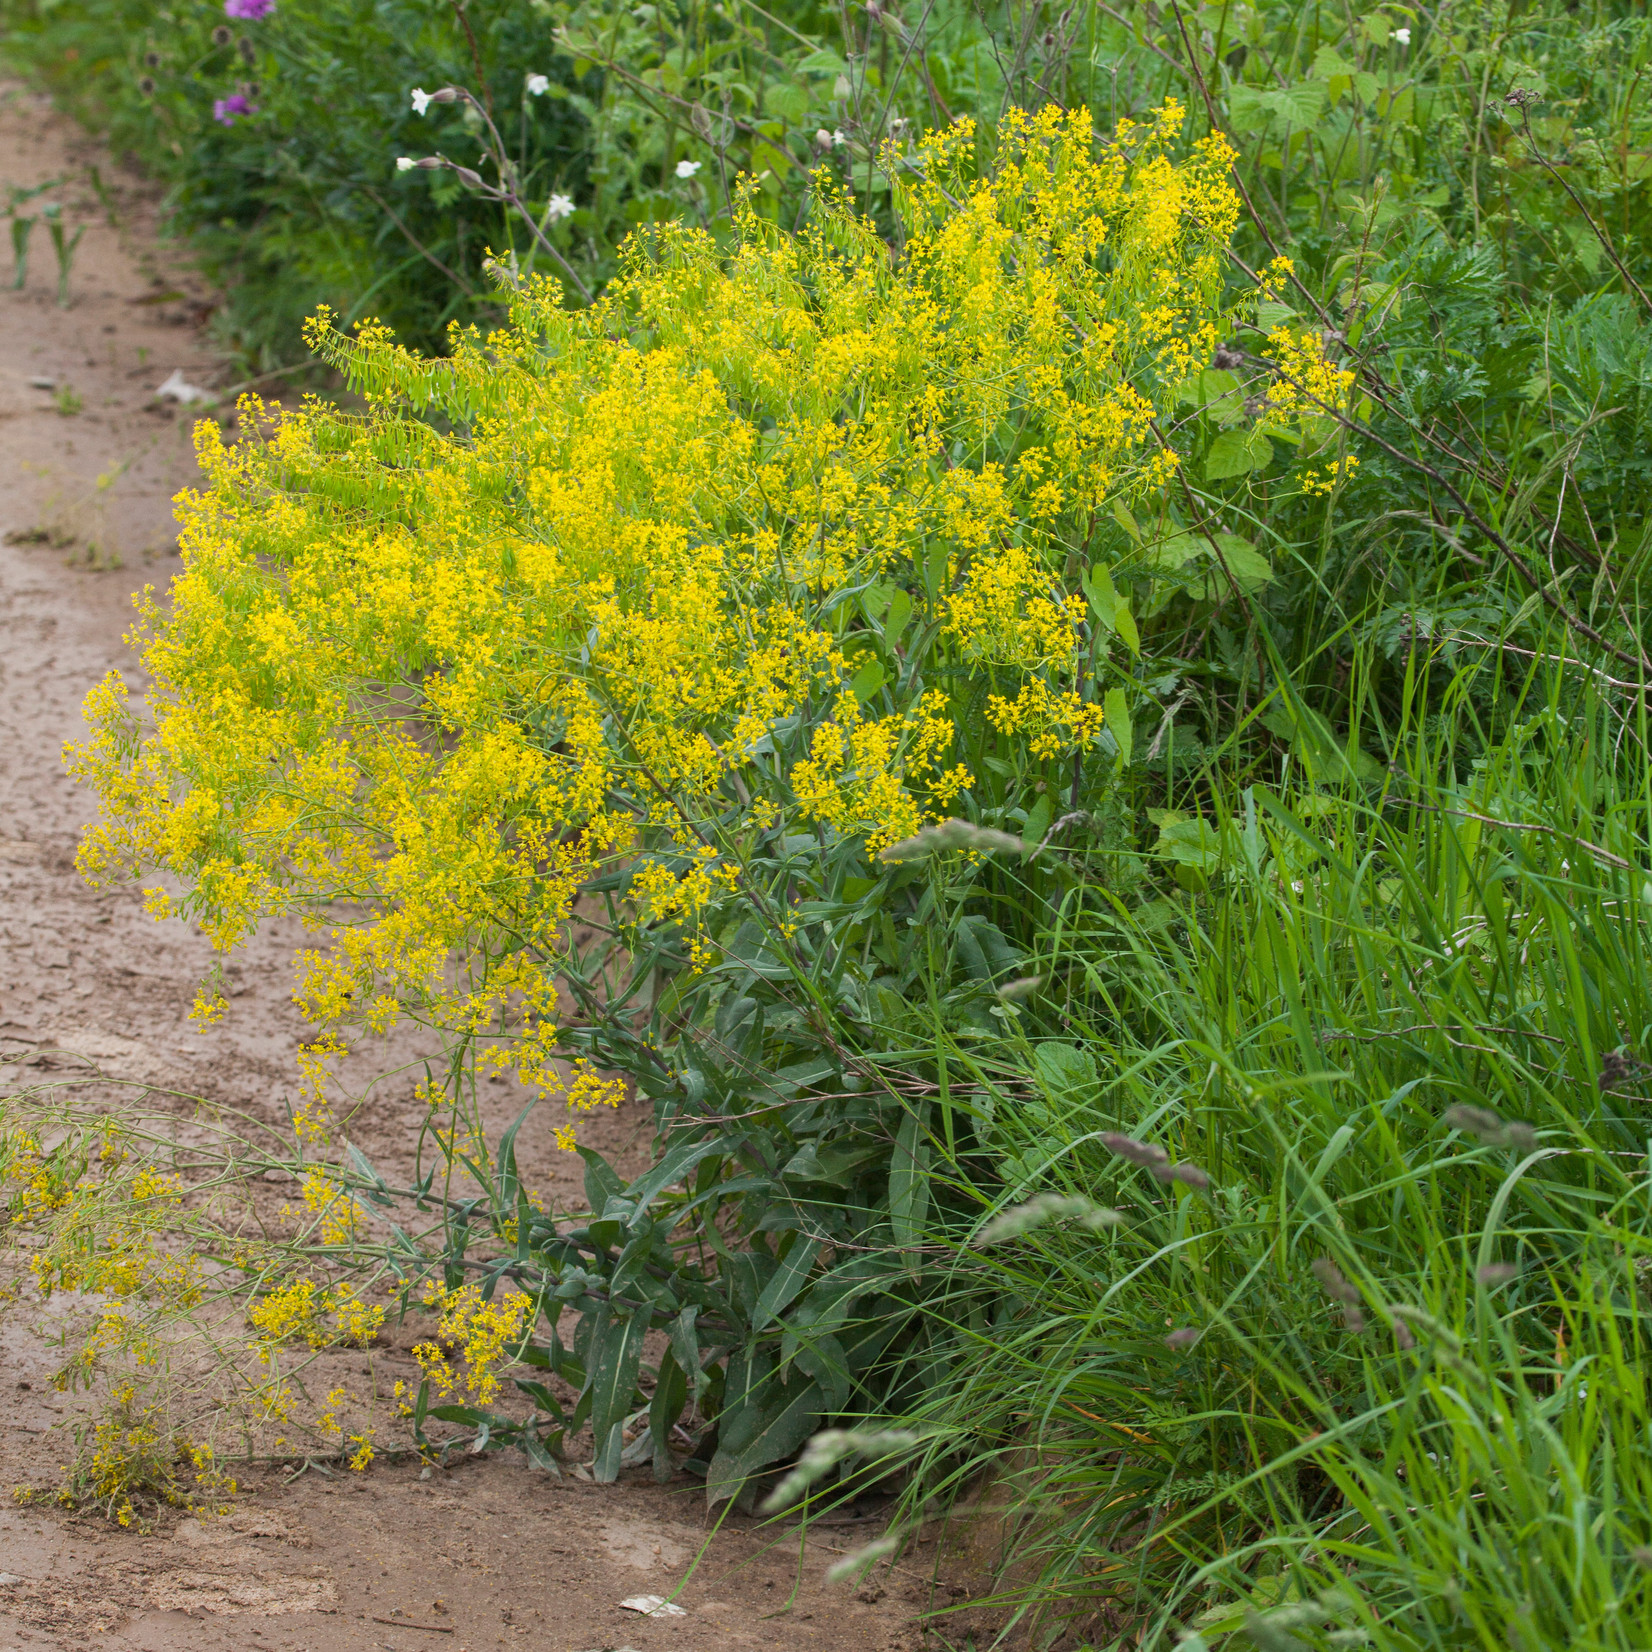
pixel 559 207
pixel 1403 36
pixel 839 138
pixel 405 163
pixel 687 169
pixel 538 85
pixel 421 100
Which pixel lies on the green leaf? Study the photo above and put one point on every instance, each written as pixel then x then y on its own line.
pixel 466 1414
pixel 1236 452
pixel 685 1346
pixel 909 1182
pixel 1117 707
pixel 670 1396
pixel 602 1182
pixel 788 100
pixel 1125 625
pixel 1248 566
pixel 1038 822
pixel 1192 843
pixel 674 1166
pixel 1177 549
pixel 789 1278
pixel 616 1360
pixel 787 1421
pixel 868 680
pixel 1328 63
pixel 1067 1074
pixel 1296 106
pixel 1121 515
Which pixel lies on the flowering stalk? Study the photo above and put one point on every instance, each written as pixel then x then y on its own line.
pixel 505 190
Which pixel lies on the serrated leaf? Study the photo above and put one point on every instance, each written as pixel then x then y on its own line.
pixel 1236 453
pixel 1328 63
pixel 1296 106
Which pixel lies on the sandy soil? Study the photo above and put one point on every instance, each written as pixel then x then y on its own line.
pixel 488 1553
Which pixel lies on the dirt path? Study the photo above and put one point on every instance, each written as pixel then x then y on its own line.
pixel 490 1553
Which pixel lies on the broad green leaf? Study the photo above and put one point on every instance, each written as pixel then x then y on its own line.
pixel 909 1182
pixel 1038 822
pixel 1168 554
pixel 1117 707
pixel 1328 64
pixel 1191 843
pixel 1247 564
pixel 868 680
pixel 602 1182
pixel 1236 452
pixel 778 1430
pixel 1066 1073
pixel 1296 106
pixel 616 1361
pixel 789 1278
pixel 788 100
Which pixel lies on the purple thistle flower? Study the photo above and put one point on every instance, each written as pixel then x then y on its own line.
pixel 226 111
pixel 248 11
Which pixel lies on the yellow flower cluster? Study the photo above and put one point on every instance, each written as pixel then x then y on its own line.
pixel 133 1458
pixel 338 1220
pixel 301 1308
pixel 484 1335
pixel 1050 721
pixel 1308 386
pixel 569 602
pixel 105 1230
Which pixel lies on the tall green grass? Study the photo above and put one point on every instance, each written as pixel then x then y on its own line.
pixel 1382 1381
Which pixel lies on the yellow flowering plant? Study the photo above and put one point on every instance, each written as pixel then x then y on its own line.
pixel 686 615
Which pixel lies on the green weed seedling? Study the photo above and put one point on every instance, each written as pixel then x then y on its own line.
pixel 22 227
pixel 64 246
